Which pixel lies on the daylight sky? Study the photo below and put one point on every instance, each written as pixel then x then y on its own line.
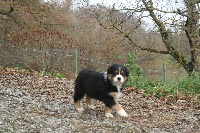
pixel 129 3
pixel 166 5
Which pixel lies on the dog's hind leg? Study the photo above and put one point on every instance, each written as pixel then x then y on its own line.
pixel 89 102
pixel 108 112
pixel 77 100
pixel 78 106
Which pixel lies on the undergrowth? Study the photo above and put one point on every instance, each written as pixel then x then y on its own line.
pixel 43 72
pixel 55 74
pixel 190 85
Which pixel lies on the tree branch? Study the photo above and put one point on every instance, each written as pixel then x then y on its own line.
pixel 7 13
pixel 165 35
pixel 138 46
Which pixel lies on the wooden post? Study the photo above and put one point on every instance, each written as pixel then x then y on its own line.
pixel 164 72
pixel 76 60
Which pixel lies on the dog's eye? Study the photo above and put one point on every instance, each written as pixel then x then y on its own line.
pixel 116 72
pixel 122 72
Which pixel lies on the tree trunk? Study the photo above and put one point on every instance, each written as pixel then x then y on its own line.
pixel 192 32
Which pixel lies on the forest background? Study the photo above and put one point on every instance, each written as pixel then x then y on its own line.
pixel 43 36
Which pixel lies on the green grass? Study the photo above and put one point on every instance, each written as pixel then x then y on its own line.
pixel 43 72
pixel 56 74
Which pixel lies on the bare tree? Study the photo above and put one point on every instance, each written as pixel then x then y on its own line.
pixel 167 20
pixel 21 16
pixel 39 32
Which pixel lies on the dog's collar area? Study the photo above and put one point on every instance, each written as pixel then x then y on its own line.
pixel 105 75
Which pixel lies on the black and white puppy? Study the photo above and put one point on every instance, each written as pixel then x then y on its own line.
pixel 105 87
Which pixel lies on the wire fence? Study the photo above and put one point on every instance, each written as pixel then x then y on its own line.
pixel 67 61
pixel 50 60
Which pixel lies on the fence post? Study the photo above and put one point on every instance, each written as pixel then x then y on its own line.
pixel 76 60
pixel 164 72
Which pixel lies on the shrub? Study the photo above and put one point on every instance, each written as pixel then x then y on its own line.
pixel 136 78
pixel 56 74
pixel 159 88
pixel 190 84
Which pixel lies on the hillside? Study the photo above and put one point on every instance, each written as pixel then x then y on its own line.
pixel 30 102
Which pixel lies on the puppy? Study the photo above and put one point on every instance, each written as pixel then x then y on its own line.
pixel 105 87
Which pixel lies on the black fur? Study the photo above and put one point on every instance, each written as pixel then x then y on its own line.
pixel 97 85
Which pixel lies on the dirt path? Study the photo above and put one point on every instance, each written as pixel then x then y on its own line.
pixel 33 103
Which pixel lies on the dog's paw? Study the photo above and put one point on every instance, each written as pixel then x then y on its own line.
pixel 91 107
pixel 122 112
pixel 80 109
pixel 109 115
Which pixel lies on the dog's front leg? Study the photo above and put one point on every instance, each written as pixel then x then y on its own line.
pixel 117 107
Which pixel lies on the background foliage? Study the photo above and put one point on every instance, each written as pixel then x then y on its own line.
pixel 42 36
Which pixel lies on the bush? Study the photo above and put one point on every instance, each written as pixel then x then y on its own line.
pixel 190 85
pixel 136 78
pixel 56 74
pixel 159 88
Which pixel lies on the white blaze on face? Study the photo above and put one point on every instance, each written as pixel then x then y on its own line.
pixel 118 81
pixel 118 78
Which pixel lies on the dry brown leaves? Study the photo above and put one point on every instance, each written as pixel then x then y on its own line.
pixel 33 103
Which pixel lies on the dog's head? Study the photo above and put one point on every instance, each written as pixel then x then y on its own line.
pixel 117 74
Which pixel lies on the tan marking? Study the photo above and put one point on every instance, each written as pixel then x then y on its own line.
pixel 89 102
pixel 121 71
pixel 115 95
pixel 110 77
pixel 107 110
pixel 116 71
pixel 120 110
pixel 125 78
pixel 117 107
pixel 78 104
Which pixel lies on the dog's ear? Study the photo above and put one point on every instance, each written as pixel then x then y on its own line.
pixel 128 71
pixel 109 70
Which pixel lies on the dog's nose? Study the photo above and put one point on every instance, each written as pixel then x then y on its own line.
pixel 119 78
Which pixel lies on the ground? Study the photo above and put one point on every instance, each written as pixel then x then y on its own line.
pixel 31 102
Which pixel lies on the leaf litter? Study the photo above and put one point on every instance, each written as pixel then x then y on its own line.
pixel 30 102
